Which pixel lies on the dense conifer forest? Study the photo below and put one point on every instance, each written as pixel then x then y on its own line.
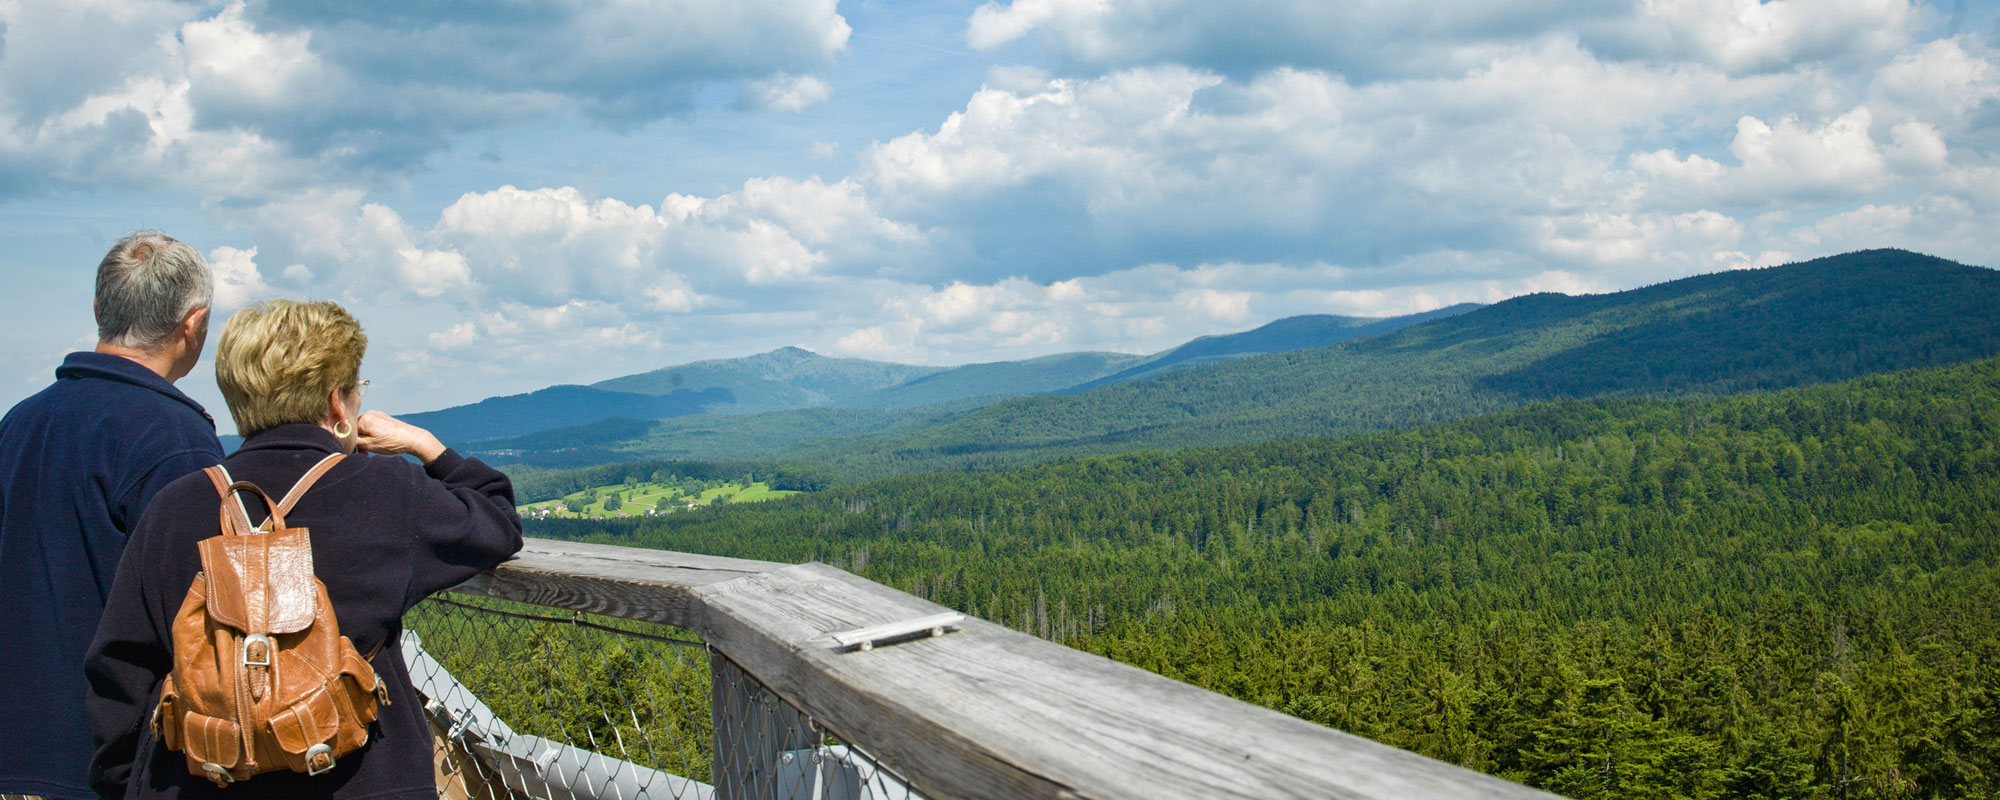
pixel 1787 594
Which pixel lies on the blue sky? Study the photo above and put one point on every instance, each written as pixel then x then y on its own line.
pixel 549 192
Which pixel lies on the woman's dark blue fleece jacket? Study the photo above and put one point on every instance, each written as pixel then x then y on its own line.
pixel 385 533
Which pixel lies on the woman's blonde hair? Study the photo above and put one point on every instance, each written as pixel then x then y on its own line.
pixel 279 359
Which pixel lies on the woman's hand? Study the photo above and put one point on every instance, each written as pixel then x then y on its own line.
pixel 385 435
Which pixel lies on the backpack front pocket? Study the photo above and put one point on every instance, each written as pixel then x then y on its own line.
pixel 167 716
pixel 309 723
pixel 365 689
pixel 210 740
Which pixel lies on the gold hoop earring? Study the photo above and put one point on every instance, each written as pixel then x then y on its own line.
pixel 343 429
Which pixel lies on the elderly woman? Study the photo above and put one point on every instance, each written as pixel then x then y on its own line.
pixel 385 532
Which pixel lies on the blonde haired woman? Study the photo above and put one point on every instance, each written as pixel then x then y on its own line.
pixel 386 532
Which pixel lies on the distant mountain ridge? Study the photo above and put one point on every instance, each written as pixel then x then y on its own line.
pixel 558 407
pixel 1824 320
pixel 998 378
pixel 790 378
pixel 1281 336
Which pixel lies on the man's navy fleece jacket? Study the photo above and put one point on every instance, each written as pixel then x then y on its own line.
pixel 78 463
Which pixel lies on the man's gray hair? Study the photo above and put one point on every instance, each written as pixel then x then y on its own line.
pixel 145 286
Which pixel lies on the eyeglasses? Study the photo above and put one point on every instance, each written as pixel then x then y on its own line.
pixel 361 391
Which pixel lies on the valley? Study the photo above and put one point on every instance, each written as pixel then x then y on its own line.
pixel 649 498
pixel 1002 399
pixel 1727 536
pixel 1750 596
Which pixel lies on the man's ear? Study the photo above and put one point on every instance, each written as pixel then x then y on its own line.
pixel 194 328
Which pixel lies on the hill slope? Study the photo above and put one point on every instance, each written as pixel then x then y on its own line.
pixel 1769 595
pixel 788 377
pixel 785 378
pixel 793 378
pixel 999 378
pixel 1281 336
pixel 1824 320
pixel 557 407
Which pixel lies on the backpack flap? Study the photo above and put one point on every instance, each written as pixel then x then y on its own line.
pixel 261 584
pixel 211 742
pixel 306 732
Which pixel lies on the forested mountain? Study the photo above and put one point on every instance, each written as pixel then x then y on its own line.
pixel 557 407
pixel 1282 336
pixel 788 377
pixel 996 379
pixel 706 437
pixel 785 378
pixel 792 378
pixel 1818 321
pixel 1823 320
pixel 1771 595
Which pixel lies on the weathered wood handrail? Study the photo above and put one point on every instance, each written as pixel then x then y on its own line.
pixel 985 712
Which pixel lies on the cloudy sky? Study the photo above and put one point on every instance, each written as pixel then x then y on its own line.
pixel 551 192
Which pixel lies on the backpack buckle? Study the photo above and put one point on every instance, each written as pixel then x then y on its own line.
pixel 262 654
pixel 319 759
pixel 217 774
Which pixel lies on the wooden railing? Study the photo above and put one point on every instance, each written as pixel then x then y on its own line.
pixel 981 711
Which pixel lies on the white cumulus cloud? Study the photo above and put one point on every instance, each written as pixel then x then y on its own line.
pixel 237 281
pixel 1838 157
pixel 1640 239
pixel 1226 306
pixel 251 100
pixel 1750 35
pixel 787 93
pixel 1370 40
pixel 547 245
pixel 1159 169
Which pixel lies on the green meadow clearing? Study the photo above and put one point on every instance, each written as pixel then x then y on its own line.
pixel 635 499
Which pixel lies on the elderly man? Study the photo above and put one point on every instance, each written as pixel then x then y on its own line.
pixel 78 463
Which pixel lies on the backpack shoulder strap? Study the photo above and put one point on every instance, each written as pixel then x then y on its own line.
pixel 235 518
pixel 312 476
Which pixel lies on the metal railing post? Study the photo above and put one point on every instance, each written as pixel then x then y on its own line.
pixel 754 729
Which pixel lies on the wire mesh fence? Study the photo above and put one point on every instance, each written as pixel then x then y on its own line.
pixel 531 702
pixel 768 749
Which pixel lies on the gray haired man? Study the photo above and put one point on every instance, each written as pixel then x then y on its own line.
pixel 78 463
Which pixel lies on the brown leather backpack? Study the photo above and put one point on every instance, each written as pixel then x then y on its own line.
pixel 262 679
